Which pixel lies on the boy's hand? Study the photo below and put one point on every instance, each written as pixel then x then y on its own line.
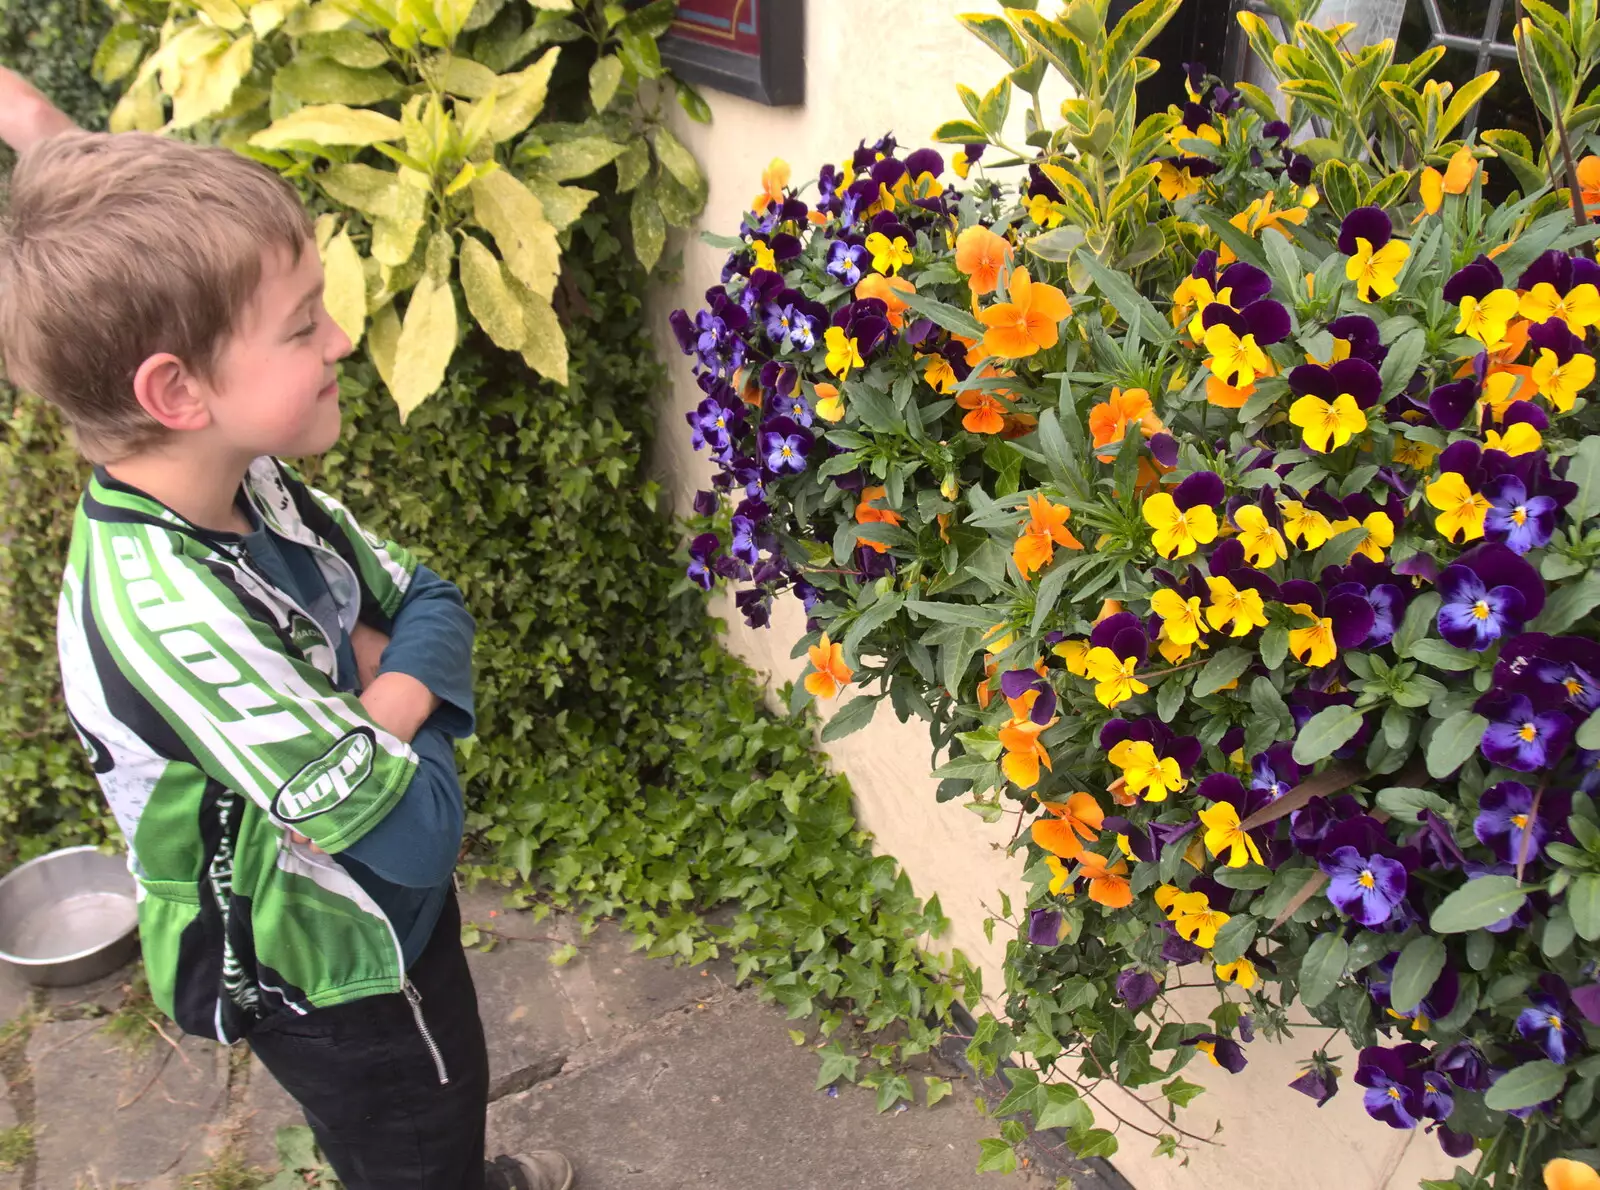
pixel 399 703
pixel 26 116
pixel 368 645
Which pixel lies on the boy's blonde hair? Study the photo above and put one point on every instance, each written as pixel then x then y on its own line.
pixel 117 247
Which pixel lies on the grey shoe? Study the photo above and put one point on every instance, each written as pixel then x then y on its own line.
pixel 545 1169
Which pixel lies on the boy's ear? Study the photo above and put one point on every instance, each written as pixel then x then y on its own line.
pixel 169 392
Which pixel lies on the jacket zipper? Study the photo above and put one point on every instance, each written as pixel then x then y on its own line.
pixel 415 998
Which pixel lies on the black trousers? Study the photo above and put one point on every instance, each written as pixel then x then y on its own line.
pixel 370 1085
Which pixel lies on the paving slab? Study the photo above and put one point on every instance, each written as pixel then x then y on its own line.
pixel 98 997
pixel 615 989
pixel 105 1117
pixel 12 1179
pixel 719 1098
pixel 14 997
pixel 266 1108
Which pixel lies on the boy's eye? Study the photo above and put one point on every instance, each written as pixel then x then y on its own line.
pixel 306 331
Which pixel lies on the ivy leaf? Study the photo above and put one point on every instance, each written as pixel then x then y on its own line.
pixel 1414 973
pixel 995 1155
pixel 1454 741
pixel 836 1064
pixel 563 954
pixel 1063 1108
pixel 1478 904
pixel 1528 1085
pixel 893 1089
pixel 1225 667
pixel 1326 732
pixel 1322 968
pixel 851 717
pixel 1096 1142
pixel 935 1089
pixel 1182 1092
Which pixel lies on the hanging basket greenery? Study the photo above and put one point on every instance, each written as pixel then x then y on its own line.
pixel 1226 501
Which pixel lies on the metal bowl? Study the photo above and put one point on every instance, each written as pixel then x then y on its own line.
pixel 68 917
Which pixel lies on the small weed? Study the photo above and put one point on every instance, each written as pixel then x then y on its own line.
pixel 227 1171
pixel 133 1024
pixel 16 1146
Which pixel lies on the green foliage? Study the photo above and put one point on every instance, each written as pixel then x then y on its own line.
pixel 16 1146
pixel 422 130
pixel 51 43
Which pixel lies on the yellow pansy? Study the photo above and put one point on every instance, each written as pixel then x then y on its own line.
pixel 1375 272
pixel 1263 544
pixel 1234 356
pixel 1179 532
pixel 1221 821
pixel 1305 526
pixel 1240 607
pixel 1461 510
pixel 888 256
pixel 1324 424
pixel 1113 676
pixel 844 352
pixel 1314 646
pixel 1562 382
pixel 1180 617
pixel 1485 319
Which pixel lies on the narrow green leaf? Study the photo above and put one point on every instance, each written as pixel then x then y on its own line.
pixel 1322 968
pixel 1225 667
pixel 1415 971
pixel 1325 733
pixel 1454 741
pixel 851 717
pixel 1528 1085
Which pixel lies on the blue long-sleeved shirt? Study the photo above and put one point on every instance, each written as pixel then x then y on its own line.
pixel 405 862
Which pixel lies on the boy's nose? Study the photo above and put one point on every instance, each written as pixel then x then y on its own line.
pixel 340 346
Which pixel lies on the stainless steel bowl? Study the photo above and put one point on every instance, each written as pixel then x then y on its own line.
pixel 68 917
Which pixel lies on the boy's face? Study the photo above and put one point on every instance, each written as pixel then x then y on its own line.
pixel 275 389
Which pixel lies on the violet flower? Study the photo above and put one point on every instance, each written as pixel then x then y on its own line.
pixel 1223 1051
pixel 1136 988
pixel 1465 1064
pixel 1368 889
pixel 1320 1080
pixel 701 551
pixel 1521 736
pixel 1520 521
pixel 1014 683
pixel 1394 1089
pixel 844 261
pixel 1505 819
pixel 1044 927
pixel 1354 376
pixel 784 446
pixel 1544 1022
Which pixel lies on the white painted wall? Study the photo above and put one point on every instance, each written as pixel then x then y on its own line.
pixel 875 66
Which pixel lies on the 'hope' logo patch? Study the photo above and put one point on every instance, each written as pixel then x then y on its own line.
pixel 328 780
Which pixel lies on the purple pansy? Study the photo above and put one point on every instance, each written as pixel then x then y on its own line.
pixel 1465 1064
pixel 1266 319
pixel 1472 615
pixel 1520 521
pixel 1014 683
pixel 1506 818
pixel 1561 270
pixel 1275 772
pixel 1320 1080
pixel 1365 223
pixel 1044 927
pixel 701 550
pixel 1136 988
pixel 844 261
pixel 1477 279
pixel 1354 376
pixel 1520 735
pixel 1224 1051
pixel 784 446
pixel 1361 333
pixel 743 545
pixel 1368 889
pixel 1122 634
pixel 1545 1023
pixel 1394 1088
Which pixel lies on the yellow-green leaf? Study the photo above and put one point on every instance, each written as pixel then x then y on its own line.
pixel 345 46
pixel 327 124
pixel 394 233
pixel 680 163
pixel 267 15
pixel 344 290
pixel 208 84
pixel 510 212
pixel 368 190
pixel 313 79
pixel 545 348
pixel 119 53
pixel 441 252
pixel 462 180
pixel 519 97
pixel 222 12
pixel 468 79
pixel 604 77
pixel 489 299
pixel 562 204
pixel 383 340
pixel 327 16
pixel 427 341
pixel 649 227
pixel 139 109
pixel 577 158
pixel 1466 95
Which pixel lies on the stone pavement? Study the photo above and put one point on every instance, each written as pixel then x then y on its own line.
pixel 652 1077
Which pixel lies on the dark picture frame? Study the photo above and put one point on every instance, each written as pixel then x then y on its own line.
pixel 752 48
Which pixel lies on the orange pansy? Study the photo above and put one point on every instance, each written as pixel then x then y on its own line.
pixel 1028 322
pixel 986 414
pixel 868 513
pixel 1109 420
pixel 1046 529
pixel 1108 881
pixel 831 673
pixel 980 255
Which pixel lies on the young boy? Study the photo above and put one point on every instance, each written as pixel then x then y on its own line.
pixel 267 692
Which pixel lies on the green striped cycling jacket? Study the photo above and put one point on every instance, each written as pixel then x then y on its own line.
pixel 206 699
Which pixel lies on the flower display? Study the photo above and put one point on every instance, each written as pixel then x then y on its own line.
pixel 1238 536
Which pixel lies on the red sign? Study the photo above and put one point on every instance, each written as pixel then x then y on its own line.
pixel 729 24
